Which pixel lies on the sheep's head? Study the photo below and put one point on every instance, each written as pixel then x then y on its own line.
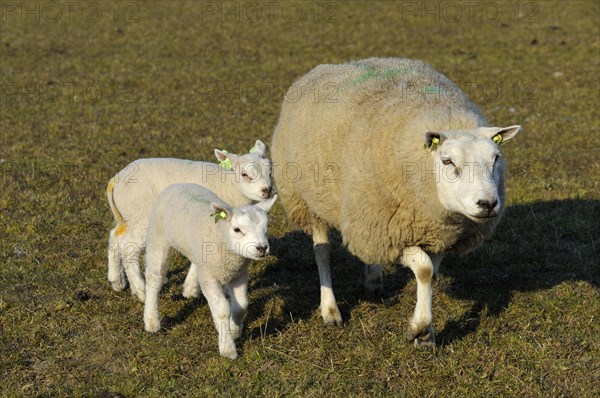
pixel 244 228
pixel 469 170
pixel 253 171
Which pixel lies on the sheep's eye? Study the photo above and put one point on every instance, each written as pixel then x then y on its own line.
pixel 496 158
pixel 246 177
pixel 237 230
pixel 447 161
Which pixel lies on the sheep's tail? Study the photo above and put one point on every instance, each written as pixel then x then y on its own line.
pixel 110 195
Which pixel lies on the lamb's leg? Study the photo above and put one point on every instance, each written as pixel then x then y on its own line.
pixel 156 272
pixel 322 246
pixel 130 249
pixel 220 310
pixel 238 292
pixel 116 272
pixel 373 279
pixel 191 288
pixel 420 329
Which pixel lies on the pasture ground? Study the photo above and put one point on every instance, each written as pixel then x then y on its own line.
pixel 84 93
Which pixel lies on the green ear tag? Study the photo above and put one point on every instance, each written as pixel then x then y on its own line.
pixel 226 164
pixel 254 149
pixel 497 139
pixel 219 216
pixel 434 142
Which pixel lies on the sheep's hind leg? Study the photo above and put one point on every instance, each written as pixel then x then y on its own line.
pixel 374 279
pixel 116 271
pixel 420 329
pixel 156 271
pixel 191 287
pixel 329 309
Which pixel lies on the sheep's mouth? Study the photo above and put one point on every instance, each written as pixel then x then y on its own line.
pixel 482 218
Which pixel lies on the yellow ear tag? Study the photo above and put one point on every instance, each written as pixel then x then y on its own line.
pixel 434 142
pixel 226 164
pixel 219 216
pixel 497 139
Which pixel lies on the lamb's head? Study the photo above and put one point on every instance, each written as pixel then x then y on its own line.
pixel 244 228
pixel 469 170
pixel 253 171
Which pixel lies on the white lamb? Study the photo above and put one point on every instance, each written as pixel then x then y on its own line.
pixel 410 171
pixel 239 180
pixel 218 240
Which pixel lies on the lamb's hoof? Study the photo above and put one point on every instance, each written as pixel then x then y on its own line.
pixel 229 351
pixel 139 294
pixel 423 337
pixel 152 326
pixel 190 291
pixel 119 284
pixel 332 316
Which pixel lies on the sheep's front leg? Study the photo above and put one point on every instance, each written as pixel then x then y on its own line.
pixel 329 309
pixel 219 308
pixel 191 287
pixel 420 329
pixel 238 291
pixel 156 271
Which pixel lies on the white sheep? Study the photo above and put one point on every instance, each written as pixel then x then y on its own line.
pixel 239 180
pixel 399 161
pixel 218 240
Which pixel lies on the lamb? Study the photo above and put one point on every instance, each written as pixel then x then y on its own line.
pixel 218 240
pixel 240 180
pixel 399 161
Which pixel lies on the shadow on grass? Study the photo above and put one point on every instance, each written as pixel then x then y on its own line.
pixel 537 246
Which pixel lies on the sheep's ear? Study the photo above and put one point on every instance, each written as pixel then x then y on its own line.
pixel 259 148
pixel 432 140
pixel 227 160
pixel 220 212
pixel 501 135
pixel 267 204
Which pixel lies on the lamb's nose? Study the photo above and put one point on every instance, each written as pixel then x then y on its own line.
pixel 262 250
pixel 266 191
pixel 485 204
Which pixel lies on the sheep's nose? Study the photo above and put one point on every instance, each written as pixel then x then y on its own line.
pixel 266 191
pixel 262 250
pixel 487 205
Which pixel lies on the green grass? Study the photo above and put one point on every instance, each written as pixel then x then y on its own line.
pixel 517 317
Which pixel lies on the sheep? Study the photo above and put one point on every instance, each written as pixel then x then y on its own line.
pixel 238 180
pixel 218 240
pixel 399 161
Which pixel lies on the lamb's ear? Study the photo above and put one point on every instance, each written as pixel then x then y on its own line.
pixel 432 140
pixel 227 160
pixel 259 148
pixel 220 212
pixel 267 204
pixel 500 135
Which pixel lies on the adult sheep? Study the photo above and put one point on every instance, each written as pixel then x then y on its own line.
pixel 395 156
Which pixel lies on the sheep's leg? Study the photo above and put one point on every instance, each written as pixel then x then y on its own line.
pixel 373 279
pixel 116 272
pixel 191 287
pixel 329 309
pixel 238 293
pixel 220 310
pixel 156 272
pixel 130 249
pixel 420 329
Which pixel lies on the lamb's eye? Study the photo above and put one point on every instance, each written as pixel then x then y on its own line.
pixel 496 158
pixel 246 177
pixel 447 161
pixel 237 230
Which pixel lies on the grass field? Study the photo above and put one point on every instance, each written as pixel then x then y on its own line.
pixel 89 87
